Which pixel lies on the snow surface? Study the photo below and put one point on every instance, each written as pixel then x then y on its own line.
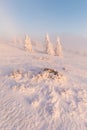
pixel 40 91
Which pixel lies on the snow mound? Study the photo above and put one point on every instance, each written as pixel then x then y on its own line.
pixel 27 83
pixel 50 74
pixel 43 74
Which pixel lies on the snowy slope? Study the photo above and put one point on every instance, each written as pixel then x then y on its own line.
pixel 42 92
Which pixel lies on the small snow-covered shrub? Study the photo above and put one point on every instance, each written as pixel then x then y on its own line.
pixel 28 45
pixel 49 74
pixel 17 74
pixel 58 49
pixel 49 47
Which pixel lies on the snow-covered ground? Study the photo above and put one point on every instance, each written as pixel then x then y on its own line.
pixel 40 91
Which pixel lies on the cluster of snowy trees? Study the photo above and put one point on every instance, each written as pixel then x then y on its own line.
pixel 50 50
pixel 49 46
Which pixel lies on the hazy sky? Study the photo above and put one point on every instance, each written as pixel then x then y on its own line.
pixel 40 16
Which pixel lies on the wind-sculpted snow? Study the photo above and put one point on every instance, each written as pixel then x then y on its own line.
pixel 41 92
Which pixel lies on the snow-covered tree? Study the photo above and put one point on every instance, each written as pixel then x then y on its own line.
pixel 58 49
pixel 28 45
pixel 49 47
